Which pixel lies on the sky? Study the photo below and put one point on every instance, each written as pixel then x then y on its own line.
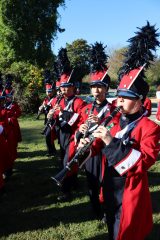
pixel 109 22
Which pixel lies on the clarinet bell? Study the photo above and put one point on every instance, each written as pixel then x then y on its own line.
pixel 44 130
pixel 58 179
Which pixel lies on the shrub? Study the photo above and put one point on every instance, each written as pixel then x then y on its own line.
pixel 28 84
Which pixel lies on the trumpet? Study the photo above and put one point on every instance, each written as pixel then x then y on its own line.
pixel 79 157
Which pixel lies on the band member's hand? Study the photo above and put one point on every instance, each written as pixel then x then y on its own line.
pixel 104 134
pixel 58 108
pixel 83 128
pixel 93 118
pixel 83 142
pixel 41 108
pixel 50 114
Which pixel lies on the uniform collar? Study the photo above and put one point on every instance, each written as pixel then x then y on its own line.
pixel 128 118
pixel 101 104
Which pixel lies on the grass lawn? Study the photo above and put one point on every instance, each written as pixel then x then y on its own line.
pixel 29 210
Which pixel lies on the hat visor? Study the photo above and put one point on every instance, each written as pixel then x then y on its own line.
pixel 49 90
pixel 127 93
pixel 2 97
pixel 66 85
pixel 9 95
pixel 99 83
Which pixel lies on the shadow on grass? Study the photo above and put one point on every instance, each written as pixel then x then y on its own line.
pixel 156 201
pixel 28 133
pixel 30 199
pixel 38 153
pixel 98 237
pixel 43 219
pixel 154 178
pixel 155 234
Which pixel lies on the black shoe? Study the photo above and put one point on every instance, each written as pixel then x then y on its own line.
pixel 64 197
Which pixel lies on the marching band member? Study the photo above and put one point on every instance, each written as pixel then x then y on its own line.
pixel 50 92
pixel 158 104
pixel 131 146
pixel 67 116
pixel 12 128
pixel 5 157
pixel 45 107
pixel 93 114
pixel 69 110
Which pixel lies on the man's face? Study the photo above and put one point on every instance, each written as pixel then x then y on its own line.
pixel 49 94
pixel 129 105
pixel 99 92
pixel 8 99
pixel 68 91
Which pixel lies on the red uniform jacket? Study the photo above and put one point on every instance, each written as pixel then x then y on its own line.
pixel 71 117
pixel 68 123
pixel 136 215
pixel 3 157
pixel 102 111
pixel 6 155
pixel 46 101
pixel 14 112
pixel 148 106
pixel 158 112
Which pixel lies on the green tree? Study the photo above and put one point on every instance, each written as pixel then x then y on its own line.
pixel 115 62
pixel 153 73
pixel 78 54
pixel 153 76
pixel 28 29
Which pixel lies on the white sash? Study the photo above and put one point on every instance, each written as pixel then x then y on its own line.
pixel 103 110
pixel 130 126
pixel 68 107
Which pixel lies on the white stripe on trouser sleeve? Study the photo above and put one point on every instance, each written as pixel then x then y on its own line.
pixel 123 166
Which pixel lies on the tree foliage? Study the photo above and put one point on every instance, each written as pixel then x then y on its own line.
pixel 78 53
pixel 152 74
pixel 27 84
pixel 29 27
pixel 115 62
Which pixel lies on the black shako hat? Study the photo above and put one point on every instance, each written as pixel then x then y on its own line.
pixel 137 59
pixel 99 69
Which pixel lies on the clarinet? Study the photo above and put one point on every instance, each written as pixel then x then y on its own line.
pixel 50 121
pixel 79 155
pixel 87 122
